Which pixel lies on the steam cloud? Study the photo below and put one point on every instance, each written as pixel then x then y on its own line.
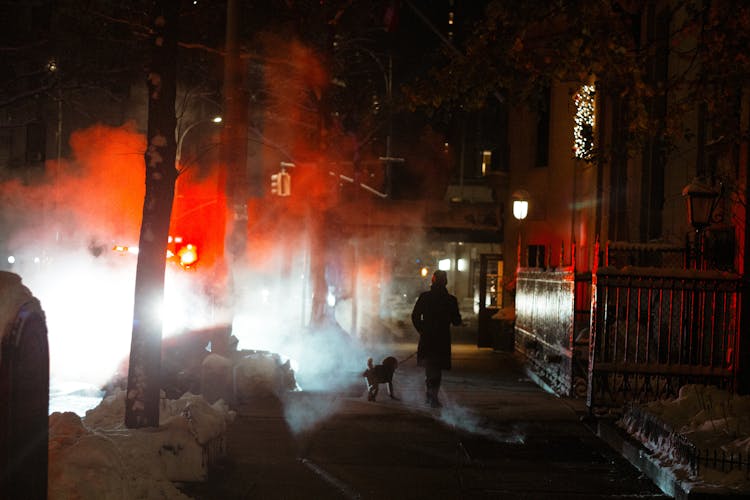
pixel 61 229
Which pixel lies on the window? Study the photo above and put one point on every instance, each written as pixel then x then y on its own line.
pixel 5 147
pixel 35 142
pixel 537 255
pixel 541 155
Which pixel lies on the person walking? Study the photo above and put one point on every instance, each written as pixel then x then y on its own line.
pixel 433 314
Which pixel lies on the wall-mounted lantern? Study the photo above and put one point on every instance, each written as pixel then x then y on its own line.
pixel 520 204
pixel 520 211
pixel 701 201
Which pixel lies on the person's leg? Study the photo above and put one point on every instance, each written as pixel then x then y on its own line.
pixel 433 377
pixel 436 379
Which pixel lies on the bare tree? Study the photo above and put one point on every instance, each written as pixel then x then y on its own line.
pixel 142 403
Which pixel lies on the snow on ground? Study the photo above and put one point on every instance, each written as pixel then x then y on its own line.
pixel 711 419
pixel 96 457
pixel 74 396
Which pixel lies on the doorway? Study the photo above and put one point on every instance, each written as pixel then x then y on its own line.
pixel 490 297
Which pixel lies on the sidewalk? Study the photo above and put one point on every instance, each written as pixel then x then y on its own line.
pixel 498 436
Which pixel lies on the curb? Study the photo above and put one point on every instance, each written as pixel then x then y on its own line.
pixel 642 459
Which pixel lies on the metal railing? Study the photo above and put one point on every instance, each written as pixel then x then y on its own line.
pixel 621 254
pixel 653 331
pixel 720 460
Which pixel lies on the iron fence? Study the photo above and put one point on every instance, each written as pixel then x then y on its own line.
pixel 654 330
pixel 620 254
pixel 720 460
pixel 551 327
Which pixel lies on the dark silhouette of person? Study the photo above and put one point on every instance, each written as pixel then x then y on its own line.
pixel 433 314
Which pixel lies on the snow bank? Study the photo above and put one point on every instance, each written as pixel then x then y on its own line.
pixel 706 417
pixel 97 457
pixel 259 372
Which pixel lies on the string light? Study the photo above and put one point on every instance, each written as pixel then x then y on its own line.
pixel 583 131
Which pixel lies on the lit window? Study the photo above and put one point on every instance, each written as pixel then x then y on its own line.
pixel 444 264
pixel 583 131
pixel 461 265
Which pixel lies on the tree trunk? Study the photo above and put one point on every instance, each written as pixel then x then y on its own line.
pixel 234 158
pixel 142 402
pixel 319 306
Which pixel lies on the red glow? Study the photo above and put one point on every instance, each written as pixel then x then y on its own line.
pixel 105 185
pixel 198 212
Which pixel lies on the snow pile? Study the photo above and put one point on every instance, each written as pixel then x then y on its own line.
pixel 245 374
pixel 709 419
pixel 97 457
pixel 259 372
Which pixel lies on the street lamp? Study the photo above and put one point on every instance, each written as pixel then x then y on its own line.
pixel 178 154
pixel 520 211
pixel 701 201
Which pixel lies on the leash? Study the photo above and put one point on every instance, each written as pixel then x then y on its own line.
pixel 407 358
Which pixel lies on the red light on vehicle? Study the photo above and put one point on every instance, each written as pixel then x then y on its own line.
pixel 188 255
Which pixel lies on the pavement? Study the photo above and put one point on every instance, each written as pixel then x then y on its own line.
pixel 498 435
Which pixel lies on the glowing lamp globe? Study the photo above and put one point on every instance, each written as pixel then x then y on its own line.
pixel 520 209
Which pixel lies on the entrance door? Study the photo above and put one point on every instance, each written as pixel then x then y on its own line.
pixel 490 296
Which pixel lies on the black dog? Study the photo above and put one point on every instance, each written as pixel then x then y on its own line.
pixel 380 374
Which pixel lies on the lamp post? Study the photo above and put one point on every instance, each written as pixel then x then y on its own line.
pixel 701 201
pixel 178 154
pixel 520 211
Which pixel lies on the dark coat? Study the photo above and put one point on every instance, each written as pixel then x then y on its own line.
pixel 432 316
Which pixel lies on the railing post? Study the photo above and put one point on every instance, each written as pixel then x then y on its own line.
pixel 606 252
pixel 742 354
pixel 573 255
pixel 562 254
pixel 592 330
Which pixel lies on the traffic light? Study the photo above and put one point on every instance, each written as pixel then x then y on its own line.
pixel 188 255
pixel 281 183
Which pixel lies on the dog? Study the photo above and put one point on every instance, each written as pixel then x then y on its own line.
pixel 380 374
